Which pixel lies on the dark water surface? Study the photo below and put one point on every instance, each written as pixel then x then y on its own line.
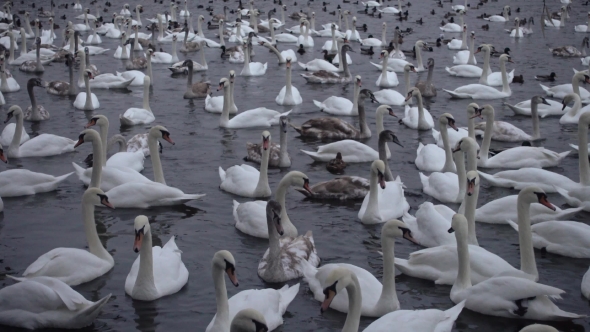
pixel 33 225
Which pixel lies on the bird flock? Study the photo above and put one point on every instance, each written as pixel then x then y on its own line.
pixel 153 53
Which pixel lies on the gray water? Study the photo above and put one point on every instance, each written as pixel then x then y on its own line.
pixel 33 225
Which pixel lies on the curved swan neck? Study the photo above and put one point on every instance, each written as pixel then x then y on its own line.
pixel 145 275
pixel 120 140
pixel 12 43
pixel 535 118
pixel 275 51
pixel 487 138
pixel 156 162
pixel 355 300
pixel 382 145
pixel 576 85
pixel 388 293
pixel 33 101
pixel 274 249
pixel 463 280
pixel 18 132
pixel 525 240
pixel 584 164
pixel 221 299
pixel 429 77
pixel 94 245
pixel 288 227
pixel 449 164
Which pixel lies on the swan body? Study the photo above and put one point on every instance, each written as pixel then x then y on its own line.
pixel 524 108
pixel 480 91
pixel 8 134
pixel 352 152
pixel 464 71
pixel 502 209
pixel 144 115
pixel 289 95
pixel 417 117
pixel 565 238
pixel 21 182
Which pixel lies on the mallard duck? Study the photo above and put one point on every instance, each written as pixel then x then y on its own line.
pixel 518 79
pixel 328 57
pixel 497 54
pixel 368 51
pixel 546 78
pixel 301 50
pixel 336 165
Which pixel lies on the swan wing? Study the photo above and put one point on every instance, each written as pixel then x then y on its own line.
pixel 170 273
pixel 250 218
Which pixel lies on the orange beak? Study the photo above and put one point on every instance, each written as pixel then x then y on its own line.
pixel 90 124
pixel 265 143
pixel 138 240
pixel 544 201
pixel 328 300
pixel 232 277
pixel 3 156
pixel 381 180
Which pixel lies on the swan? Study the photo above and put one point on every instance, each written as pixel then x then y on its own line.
pixel 374 41
pixel 163 57
pixel 43 145
pixel 34 66
pixel 319 65
pixel 252 68
pixel 323 76
pixel 503 296
pixel 62 88
pixel 386 79
pixel 250 216
pixel 122 51
pixel 271 303
pixel 517 32
pixel 74 266
pixel 429 226
pixel 342 106
pixel 215 104
pixel 430 157
pixel 289 95
pixel 7 84
pixel 93 38
pixel 499 18
pixel 456 44
pixel 185 12
pixel 560 91
pixel 335 128
pixel 305 39
pixel 157 271
pixel 352 35
pixel 454 27
pixel 137 63
pixel 284 258
pixel 279 155
pixel 82 26
pixel 353 151
pixel 45 302
pixel 8 135
pixel 430 320
pixel 427 89
pixel 245 180
pixel 391 195
pixel 551 22
pixel 393 64
pixel 331 45
pixel 417 117
pixel 544 109
pixel 517 157
pixel 135 116
pixel 248 320
pixel 35 112
pixel 102 81
pixel 146 194
pixel 283 55
pixel 87 101
pixel 487 77
pixel 392 97
pixel 377 299
pixel 583 27
pixel 125 11
pixel 194 90
pixel 258 117
pixel 480 91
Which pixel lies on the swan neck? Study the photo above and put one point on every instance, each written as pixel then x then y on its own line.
pixel 224 119
pixel 584 164
pixel 388 293
pixel 98 154
pixel 471 60
pixel 104 133
pixel 355 300
pixel 487 138
pixel 156 162
pixel 365 131
pixel 505 85
pixel 4 83
pixel 145 275
pixel 384 37
pixel 449 164
pixel 279 55
pixel 576 85
pixel 373 204
pixel 470 205
pixel 94 245
pixel 88 104
pixel 288 227
pixel 429 77
pixel 189 81
pixel 72 87
pixel 35 111
pixel 283 152
pixel 355 98
pixel 525 240
pixel 486 71
pixel 262 188
pixel 289 88
pixel 407 83
pixel 463 280
pixel 18 132
pixel 419 58
pixel 344 63
pixel 221 298
pixel 146 97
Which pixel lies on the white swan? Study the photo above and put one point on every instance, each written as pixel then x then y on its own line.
pixel 135 116
pixel 258 117
pixel 76 266
pixel 215 104
pixel 386 79
pixel 456 44
pixel 583 27
pixel 55 305
pixel 466 57
pixel 245 180
pixel 517 157
pixel 430 157
pixel 284 258
pixel 417 117
pixel 560 91
pixel 102 81
pixel 392 97
pixel 499 18
pixel 548 108
pixel 572 116
pixel 305 39
pixel 454 27
pixel 480 91
pixel 250 217
pixel 456 136
pixel 289 95
pixel 371 41
pixel 390 194
pixel 324 76
pixel 43 145
pixel 7 84
pixel 342 106
pixel 503 296
pixel 157 271
pixel 283 55
pixel 487 76
pixel 448 186
pixel 271 303
pixel 163 57
pixel 251 68
pixel 87 101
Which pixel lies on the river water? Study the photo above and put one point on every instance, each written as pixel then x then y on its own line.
pixel 33 225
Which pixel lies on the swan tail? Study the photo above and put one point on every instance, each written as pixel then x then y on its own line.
pixel 309 276
pixel 575 147
pixel 451 314
pixel 221 174
pixel 302 65
pixel 513 224
pixel 319 105
pixel 89 314
pixel 514 109
pixel 235 211
pixel 546 89
pixel 298 129
pixel 288 294
pixel 80 173
pixel 378 66
pixel 314 155
pixel 304 192
pixel 124 121
pixel 450 71
pixel 19 279
pixel 191 197
pixel 59 179
pixel 127 83
pixel 282 114
pixel 563 155
pixel 497 182
pixel 456 95
pixel 408 218
pixel 569 199
pixel 423 180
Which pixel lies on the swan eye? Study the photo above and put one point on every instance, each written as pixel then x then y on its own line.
pixel 229 266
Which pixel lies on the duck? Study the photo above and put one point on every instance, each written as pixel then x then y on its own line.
pixel 334 128
pixel 87 101
pixel 136 116
pixel 43 145
pixel 157 271
pixel 245 180
pixel 341 106
pixel 427 88
pixel 35 112
pixel 336 165
pixel 430 157
pixel 480 91
pixel 324 76
pixel 258 117
pixel 546 78
pixel 250 216
pixel 271 303
pixel 371 212
pixel 289 95
pixel 74 266
pixel 279 154
pixel 283 260
pixel 517 157
pixel 56 305
pixel 417 117
pixel 502 296
pixel 195 90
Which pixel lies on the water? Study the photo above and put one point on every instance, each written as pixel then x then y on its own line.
pixel 33 225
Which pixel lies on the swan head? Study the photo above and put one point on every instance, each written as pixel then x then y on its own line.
pixel 346 47
pixel 459 226
pixel 448 119
pixel 378 168
pixel 505 58
pixel 201 18
pixel 410 68
pixel 273 215
pixel 430 63
pixel 358 80
pixel 96 197
pixel 472 182
pixel 232 76
pixel 414 92
pixel 288 62
pixel 35 82
pixel 466 144
pixel 284 123
pixel 188 63
pixel 265 140
pixel 539 100
pixel 385 109
pixel 419 44
pixel 534 194
pixel 539 327
pixel 337 280
pixel 2 155
pixel 99 120
pixel 249 320
pixel 471 109
pixel 161 132
pixel 38 41
pixel 224 260
pixel 485 111
pixel 299 179
pixel 366 93
pixel 223 83
pixel 141 226
pixel 88 73
pixel 88 135
pixel 388 136
pixel 14 110
pixel 397 229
